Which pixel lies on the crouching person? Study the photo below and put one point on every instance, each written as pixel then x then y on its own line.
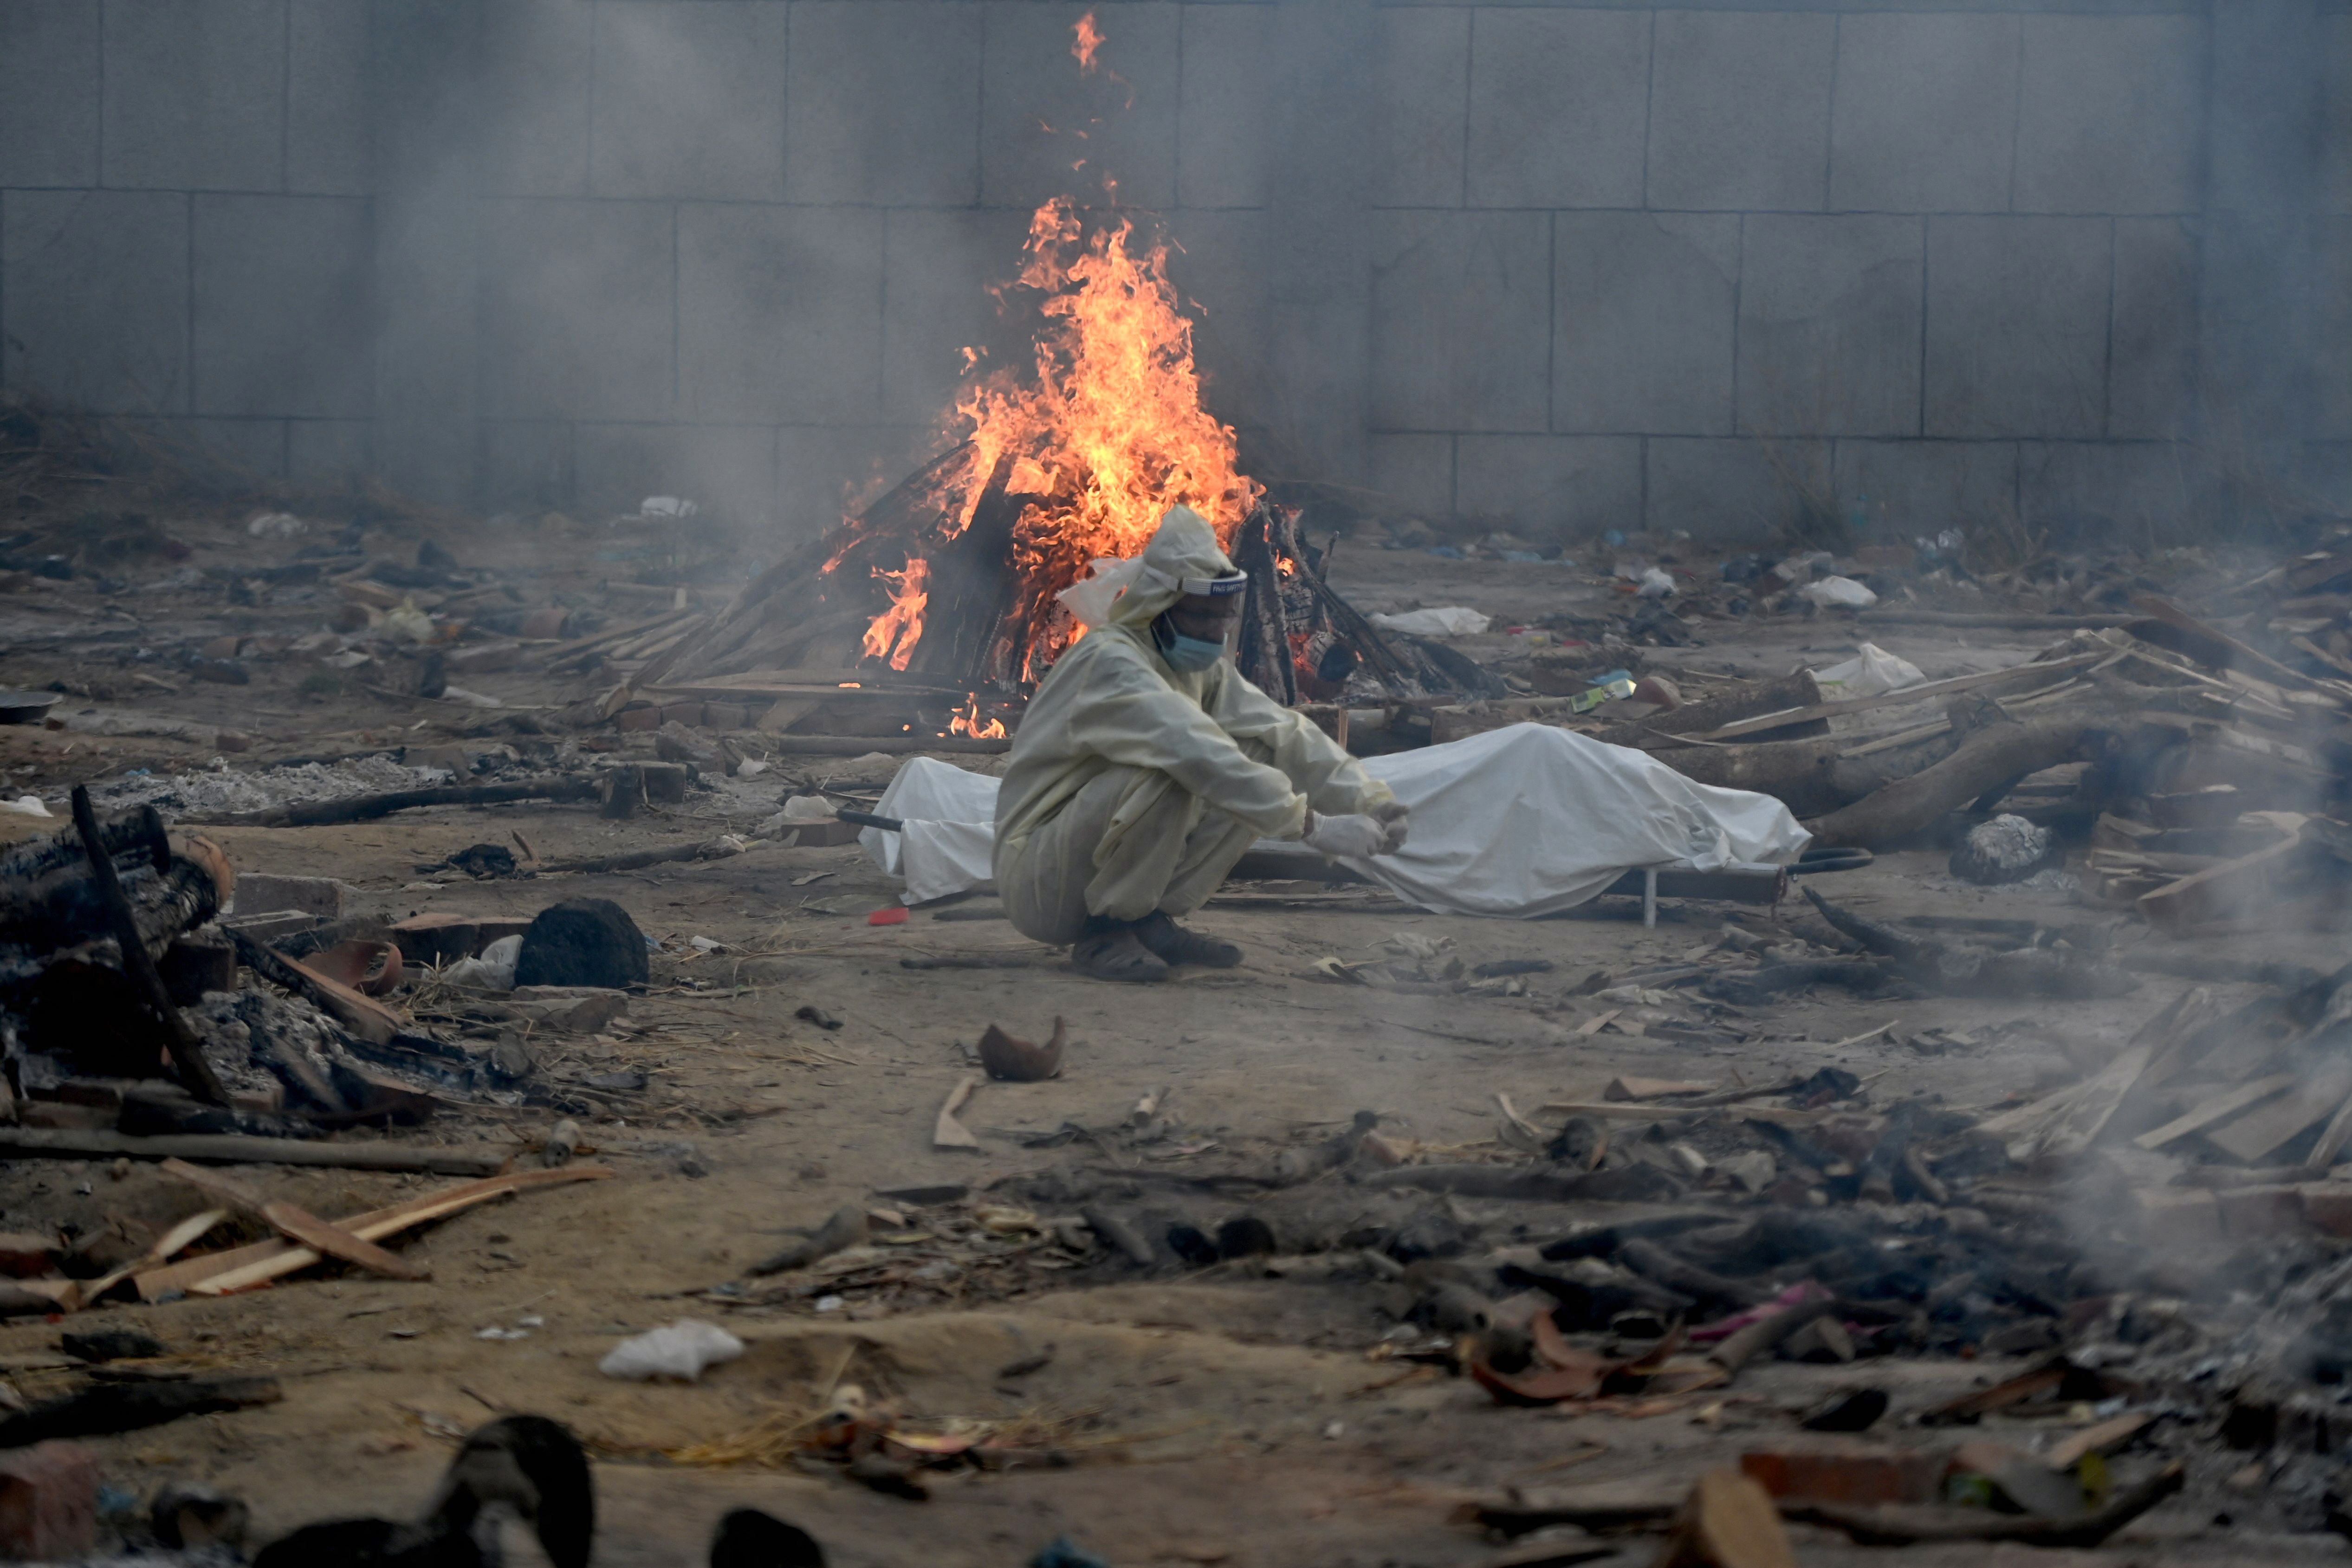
pixel 1146 766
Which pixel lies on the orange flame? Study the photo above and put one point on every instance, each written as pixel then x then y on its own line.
pixel 968 723
pixel 897 630
pixel 1106 432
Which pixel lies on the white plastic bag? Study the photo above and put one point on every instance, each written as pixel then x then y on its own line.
pixel 1870 671
pixel 24 806
pixel 1839 594
pixel 1450 621
pixel 493 971
pixel 1655 584
pixel 678 1351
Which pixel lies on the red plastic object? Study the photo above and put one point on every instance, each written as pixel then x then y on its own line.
pixel 895 915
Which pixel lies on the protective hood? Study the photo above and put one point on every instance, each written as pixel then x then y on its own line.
pixel 1130 593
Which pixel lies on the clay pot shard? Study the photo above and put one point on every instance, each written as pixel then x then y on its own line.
pixel 370 968
pixel 1019 1061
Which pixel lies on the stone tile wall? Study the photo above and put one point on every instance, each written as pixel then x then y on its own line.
pixel 1671 266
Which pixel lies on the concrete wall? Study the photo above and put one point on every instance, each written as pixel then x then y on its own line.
pixel 1565 266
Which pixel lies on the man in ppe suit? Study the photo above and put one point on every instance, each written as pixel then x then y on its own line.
pixel 1146 765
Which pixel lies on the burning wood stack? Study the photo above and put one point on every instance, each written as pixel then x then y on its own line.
pixel 939 599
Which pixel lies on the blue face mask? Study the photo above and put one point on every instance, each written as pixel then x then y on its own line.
pixel 1191 654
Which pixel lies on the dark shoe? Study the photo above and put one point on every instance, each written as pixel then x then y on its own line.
pixel 1115 954
pixel 1159 932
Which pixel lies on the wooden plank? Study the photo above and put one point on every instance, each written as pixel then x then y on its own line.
pixel 2331 1142
pixel 2225 891
pixel 2264 1129
pixel 2219 1108
pixel 243 1267
pixel 236 1149
pixel 296 1223
pixel 2101 1439
pixel 2083 1121
pixel 2021 673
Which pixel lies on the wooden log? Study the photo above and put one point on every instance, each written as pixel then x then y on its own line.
pixel 187 1051
pixel 1807 775
pixel 369 807
pixel 1987 758
pixel 1992 619
pixel 1662 731
pixel 110 1407
pixel 2020 677
pixel 136 835
pixel 364 1016
pixel 234 1149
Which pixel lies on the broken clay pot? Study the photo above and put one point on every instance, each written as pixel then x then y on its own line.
pixel 1019 1061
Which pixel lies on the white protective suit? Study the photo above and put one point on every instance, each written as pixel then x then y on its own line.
pixel 1134 786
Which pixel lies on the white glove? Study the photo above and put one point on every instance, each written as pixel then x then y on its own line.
pixel 1345 836
pixel 1394 820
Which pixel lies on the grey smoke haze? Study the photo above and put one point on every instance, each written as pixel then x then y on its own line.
pixel 1564 265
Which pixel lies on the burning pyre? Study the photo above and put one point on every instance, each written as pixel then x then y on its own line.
pixel 1076 462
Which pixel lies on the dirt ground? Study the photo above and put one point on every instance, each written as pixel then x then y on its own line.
pixel 1223 1417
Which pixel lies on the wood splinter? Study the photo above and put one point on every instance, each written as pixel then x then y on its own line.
pixel 297 1223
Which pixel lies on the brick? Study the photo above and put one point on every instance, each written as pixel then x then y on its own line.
pixel 1423 88
pixel 639 719
pixel 194 965
pixel 1740 111
pixel 1743 492
pixel 727 471
pixel 1845 1472
pixel 195 94
pixel 1415 473
pixel 438 936
pixel 94 297
pixel 1460 312
pixel 2110 114
pixel 1643 322
pixel 680 713
pixel 687 102
pixel 48 92
pixel 272 928
pixel 282 324
pixel 48 1502
pixel 1558 108
pixel 327 97
pixel 779 312
pixel 724 716
pixel 1829 326
pixel 2152 352
pixel 1031 83
pixel 1908 488
pixel 547 268
pixel 535 57
pixel 25 1255
pixel 264 893
pixel 2017 326
pixel 882 104
pixel 1555 486
pixel 1220 115
pixel 1925 116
